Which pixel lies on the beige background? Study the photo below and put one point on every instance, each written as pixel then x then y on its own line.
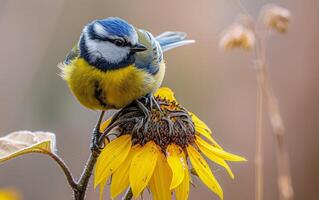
pixel 221 88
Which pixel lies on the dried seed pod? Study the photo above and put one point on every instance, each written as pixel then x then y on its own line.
pixel 237 36
pixel 276 17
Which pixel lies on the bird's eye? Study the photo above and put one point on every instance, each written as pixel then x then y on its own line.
pixel 119 43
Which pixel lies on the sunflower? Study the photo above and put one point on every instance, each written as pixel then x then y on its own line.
pixel 157 152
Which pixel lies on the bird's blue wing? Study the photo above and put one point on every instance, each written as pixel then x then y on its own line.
pixel 150 59
pixel 170 40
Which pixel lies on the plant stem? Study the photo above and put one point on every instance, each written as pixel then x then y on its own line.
pixel 283 166
pixel 80 190
pixel 241 7
pixel 82 184
pixel 259 143
pixel 62 165
pixel 128 195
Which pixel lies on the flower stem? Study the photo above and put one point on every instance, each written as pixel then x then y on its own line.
pixel 80 190
pixel 283 166
pixel 128 195
pixel 82 184
pixel 241 7
pixel 62 165
pixel 259 143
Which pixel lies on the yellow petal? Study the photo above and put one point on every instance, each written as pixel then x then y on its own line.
pixel 208 136
pixel 202 169
pixel 199 123
pixel 166 93
pixel 142 167
pixel 120 178
pixel 102 186
pixel 203 129
pixel 215 159
pixel 105 124
pixel 218 152
pixel 161 179
pixel 111 157
pixel 182 191
pixel 176 161
pixel 10 194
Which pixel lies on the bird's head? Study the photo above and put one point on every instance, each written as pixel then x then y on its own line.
pixel 111 41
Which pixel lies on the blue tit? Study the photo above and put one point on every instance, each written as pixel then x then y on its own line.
pixel 115 63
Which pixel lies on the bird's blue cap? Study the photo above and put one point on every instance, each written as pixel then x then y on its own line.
pixel 117 26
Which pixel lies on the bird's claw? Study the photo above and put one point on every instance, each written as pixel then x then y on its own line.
pixel 95 146
pixel 143 108
pixel 151 102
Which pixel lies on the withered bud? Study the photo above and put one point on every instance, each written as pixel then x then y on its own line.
pixel 237 36
pixel 276 17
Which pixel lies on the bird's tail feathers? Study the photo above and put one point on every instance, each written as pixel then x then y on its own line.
pixel 170 40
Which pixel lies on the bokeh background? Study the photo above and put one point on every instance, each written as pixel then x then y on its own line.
pixel 220 87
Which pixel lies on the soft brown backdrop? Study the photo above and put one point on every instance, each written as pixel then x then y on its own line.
pixel 35 35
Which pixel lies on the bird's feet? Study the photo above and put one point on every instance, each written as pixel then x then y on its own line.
pixel 95 146
pixel 155 103
pixel 143 108
pixel 151 102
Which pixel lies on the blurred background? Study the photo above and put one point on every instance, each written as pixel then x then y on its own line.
pixel 220 87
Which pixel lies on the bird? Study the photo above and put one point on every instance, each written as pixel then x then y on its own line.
pixel 115 63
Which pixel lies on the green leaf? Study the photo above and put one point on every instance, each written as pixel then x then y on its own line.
pixel 23 142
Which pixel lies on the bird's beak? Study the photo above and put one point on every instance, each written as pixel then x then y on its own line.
pixel 138 47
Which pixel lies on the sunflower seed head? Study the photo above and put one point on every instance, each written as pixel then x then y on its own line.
pixel 171 124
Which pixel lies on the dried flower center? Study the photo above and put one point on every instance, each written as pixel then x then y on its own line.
pixel 171 124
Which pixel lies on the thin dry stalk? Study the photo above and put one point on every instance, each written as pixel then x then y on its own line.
pixel 283 166
pixel 259 178
pixel 259 174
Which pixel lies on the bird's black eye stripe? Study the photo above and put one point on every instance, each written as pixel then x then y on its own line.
pixel 119 43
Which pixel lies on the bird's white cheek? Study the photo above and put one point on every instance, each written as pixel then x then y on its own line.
pixel 106 50
pixel 112 53
pixel 91 47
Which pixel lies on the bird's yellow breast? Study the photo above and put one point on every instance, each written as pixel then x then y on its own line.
pixel 101 90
